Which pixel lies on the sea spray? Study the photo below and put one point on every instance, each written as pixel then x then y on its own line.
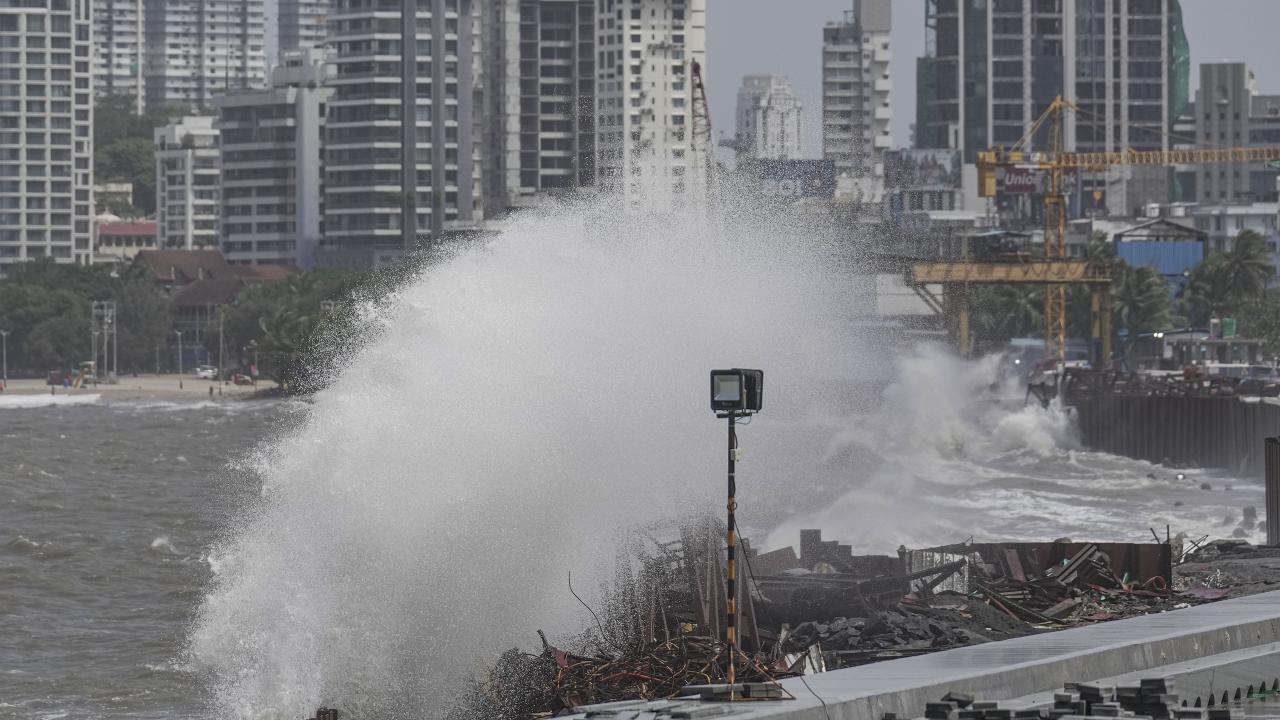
pixel 521 404
pixel 943 422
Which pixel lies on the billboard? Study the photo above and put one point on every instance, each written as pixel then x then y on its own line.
pixel 794 179
pixel 1035 180
pixel 1023 180
pixel 923 169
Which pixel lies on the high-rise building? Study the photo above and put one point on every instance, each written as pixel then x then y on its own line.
pixel 767 122
pixel 118 49
pixel 302 24
pixel 402 137
pixel 196 49
pixel 540 73
pixel 46 132
pixel 1229 112
pixel 993 66
pixel 646 152
pixel 188 184
pixel 271 164
pixel 856 86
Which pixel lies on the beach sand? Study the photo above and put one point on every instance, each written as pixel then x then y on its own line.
pixel 142 387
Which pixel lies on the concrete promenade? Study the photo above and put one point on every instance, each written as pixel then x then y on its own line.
pixel 1241 630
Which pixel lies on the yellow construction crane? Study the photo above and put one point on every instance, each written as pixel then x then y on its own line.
pixel 1055 161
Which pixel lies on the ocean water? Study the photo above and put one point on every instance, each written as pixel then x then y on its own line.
pixel 107 511
pixel 517 409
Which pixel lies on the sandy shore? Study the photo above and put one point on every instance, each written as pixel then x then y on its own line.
pixel 144 387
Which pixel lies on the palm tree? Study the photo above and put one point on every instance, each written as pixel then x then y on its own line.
pixel 1007 311
pixel 1208 292
pixel 1140 301
pixel 1247 266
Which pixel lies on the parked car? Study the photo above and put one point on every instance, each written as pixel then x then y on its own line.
pixel 207 372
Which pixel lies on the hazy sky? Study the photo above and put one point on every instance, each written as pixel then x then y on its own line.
pixel 748 37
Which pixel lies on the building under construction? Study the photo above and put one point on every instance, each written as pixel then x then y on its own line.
pixel 651 142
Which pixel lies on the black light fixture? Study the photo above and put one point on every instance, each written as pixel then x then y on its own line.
pixel 737 391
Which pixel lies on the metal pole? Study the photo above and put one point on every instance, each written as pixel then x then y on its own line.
pixel 731 565
pixel 179 332
pixel 4 354
pixel 115 342
pixel 1271 449
pixel 222 358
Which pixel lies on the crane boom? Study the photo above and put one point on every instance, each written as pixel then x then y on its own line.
pixel 1055 161
pixel 989 160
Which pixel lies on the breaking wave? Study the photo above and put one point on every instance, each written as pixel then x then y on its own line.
pixel 526 401
pixel 522 403
pixel 23 402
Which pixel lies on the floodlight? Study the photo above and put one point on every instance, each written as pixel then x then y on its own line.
pixel 737 390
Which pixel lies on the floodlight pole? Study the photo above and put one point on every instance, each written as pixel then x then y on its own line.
pixel 731 564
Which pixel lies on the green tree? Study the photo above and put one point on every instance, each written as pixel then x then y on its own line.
pixel 46 308
pixel 1224 283
pixel 1001 312
pixel 298 340
pixel 1247 266
pixel 1260 318
pixel 132 160
pixel 125 146
pixel 1139 301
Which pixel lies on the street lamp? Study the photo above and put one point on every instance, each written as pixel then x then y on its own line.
pixel 735 393
pixel 4 359
pixel 179 334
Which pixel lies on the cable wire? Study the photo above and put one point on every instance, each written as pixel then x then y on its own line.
pixel 825 711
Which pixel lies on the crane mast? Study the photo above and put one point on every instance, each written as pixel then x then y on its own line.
pixel 1054 160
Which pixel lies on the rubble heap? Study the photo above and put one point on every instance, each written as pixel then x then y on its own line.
pixel 901 632
pixel 827 608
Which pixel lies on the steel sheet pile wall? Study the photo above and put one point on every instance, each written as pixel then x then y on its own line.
pixel 1218 432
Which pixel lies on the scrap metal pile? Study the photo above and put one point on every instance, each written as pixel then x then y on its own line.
pixel 659 627
pixel 1082 588
pixel 659 670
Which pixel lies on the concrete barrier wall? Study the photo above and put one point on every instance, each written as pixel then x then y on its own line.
pixel 1212 432
pixel 1025 666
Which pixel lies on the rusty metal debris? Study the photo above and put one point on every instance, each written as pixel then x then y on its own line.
pixel 662 670
pixel 658 631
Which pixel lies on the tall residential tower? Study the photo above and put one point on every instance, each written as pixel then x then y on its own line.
pixel 767 122
pixel 541 79
pixel 1229 112
pixel 402 140
pixel 302 24
pixel 271 165
pixel 118 49
pixel 46 131
pixel 196 49
pixel 856 87
pixel 645 149
pixel 993 66
pixel 188 184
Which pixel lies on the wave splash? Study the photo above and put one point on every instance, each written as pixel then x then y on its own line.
pixel 521 404
pixel 943 425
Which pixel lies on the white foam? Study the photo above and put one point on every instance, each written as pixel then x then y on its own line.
pixel 24 402
pixel 523 402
